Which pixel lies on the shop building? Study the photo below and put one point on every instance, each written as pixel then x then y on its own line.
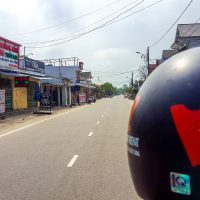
pixel 19 78
pixel 9 63
pixel 35 70
pixel 77 84
pixel 59 85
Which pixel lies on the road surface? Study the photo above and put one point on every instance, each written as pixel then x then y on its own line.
pixel 76 155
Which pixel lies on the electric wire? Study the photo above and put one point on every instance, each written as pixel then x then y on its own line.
pixel 65 22
pixel 98 27
pixel 155 43
pixel 101 26
pixel 136 12
pixel 85 27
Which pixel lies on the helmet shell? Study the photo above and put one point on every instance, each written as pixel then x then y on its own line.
pixel 164 131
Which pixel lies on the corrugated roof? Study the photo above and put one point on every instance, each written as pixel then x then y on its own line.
pixel 188 30
pixel 168 53
pixel 87 74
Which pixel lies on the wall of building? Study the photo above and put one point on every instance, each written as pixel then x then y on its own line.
pixel 69 72
pixel 19 98
pixel 64 95
pixel 31 93
pixel 194 43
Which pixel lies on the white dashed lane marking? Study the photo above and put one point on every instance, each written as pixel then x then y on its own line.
pixel 73 160
pixel 98 122
pixel 90 134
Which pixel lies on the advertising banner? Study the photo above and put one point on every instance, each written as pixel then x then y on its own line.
pixel 34 65
pixel 45 101
pixel 9 54
pixel 22 81
pixel 2 101
pixel 82 98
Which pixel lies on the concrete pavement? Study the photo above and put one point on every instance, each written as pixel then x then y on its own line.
pixel 79 154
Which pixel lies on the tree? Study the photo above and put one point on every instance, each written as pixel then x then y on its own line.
pixel 96 90
pixel 143 72
pixel 108 88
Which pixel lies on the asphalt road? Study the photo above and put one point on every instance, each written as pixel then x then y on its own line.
pixel 76 155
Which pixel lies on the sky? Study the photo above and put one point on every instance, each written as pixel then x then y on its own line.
pixel 85 30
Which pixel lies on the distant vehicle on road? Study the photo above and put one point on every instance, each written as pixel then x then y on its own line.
pixel 91 99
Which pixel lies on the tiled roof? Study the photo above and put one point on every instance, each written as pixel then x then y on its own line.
pixel 188 30
pixel 152 66
pixel 168 53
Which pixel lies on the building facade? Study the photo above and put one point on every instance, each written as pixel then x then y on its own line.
pixel 187 36
pixel 60 86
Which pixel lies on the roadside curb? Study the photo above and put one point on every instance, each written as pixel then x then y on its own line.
pixel 26 116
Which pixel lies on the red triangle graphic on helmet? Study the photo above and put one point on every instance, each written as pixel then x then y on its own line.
pixel 188 127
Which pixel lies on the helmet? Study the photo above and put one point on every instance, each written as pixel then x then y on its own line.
pixel 164 131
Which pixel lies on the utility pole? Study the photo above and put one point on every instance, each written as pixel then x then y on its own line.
pixel 132 80
pixel 59 68
pixel 148 70
pixel 24 52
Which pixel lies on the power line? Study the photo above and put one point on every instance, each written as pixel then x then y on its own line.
pixel 84 33
pixel 101 26
pixel 65 22
pixel 68 34
pixel 136 12
pixel 154 44
pixel 122 73
pixel 110 71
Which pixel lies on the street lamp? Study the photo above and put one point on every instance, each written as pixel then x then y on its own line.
pixel 146 57
pixel 142 55
pixel 30 54
pixel 139 52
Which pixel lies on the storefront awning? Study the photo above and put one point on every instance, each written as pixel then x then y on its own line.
pixel 52 81
pixel 41 78
pixel 11 74
pixel 81 85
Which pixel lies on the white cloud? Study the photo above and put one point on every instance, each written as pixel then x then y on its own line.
pixel 109 49
pixel 111 53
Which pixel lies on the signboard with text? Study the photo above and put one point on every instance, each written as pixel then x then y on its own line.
pixel 82 98
pixel 9 54
pixel 21 81
pixel 45 101
pixel 2 101
pixel 34 65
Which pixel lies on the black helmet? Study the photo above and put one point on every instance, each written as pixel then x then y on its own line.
pixel 164 131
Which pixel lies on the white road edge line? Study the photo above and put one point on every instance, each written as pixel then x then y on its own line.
pixel 73 160
pixel 90 134
pixel 98 122
pixel 39 122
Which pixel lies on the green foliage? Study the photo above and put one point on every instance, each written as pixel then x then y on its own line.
pixel 108 89
pixel 104 89
pixel 123 89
